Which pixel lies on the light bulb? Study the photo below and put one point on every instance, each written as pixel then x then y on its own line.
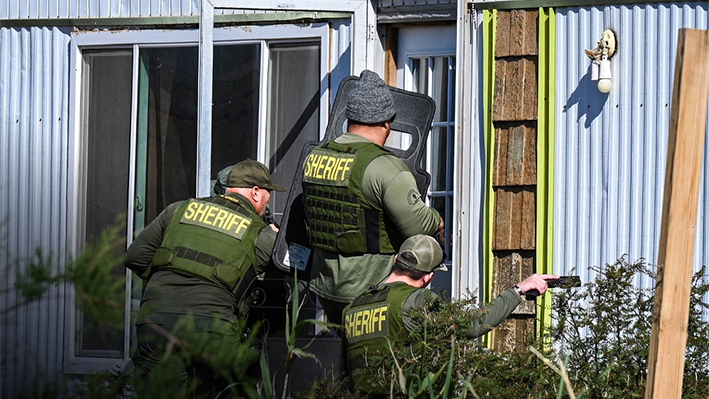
pixel 604 76
pixel 605 85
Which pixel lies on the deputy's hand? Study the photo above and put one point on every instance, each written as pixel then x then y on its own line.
pixel 273 227
pixel 441 234
pixel 536 282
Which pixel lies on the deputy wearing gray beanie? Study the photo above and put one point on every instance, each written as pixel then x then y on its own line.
pixel 360 201
pixel 370 101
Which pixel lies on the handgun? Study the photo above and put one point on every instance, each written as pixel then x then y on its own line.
pixel 565 282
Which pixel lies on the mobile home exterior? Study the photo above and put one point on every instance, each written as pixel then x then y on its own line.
pixel 103 113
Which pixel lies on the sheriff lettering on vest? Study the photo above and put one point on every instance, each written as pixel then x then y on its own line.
pixel 382 313
pixel 199 256
pixel 361 201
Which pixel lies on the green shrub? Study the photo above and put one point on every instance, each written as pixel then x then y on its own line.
pixel 599 341
pixel 597 347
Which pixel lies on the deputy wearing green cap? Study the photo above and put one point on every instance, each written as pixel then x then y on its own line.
pixel 199 257
pixel 382 313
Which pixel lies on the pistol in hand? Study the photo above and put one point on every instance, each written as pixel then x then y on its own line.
pixel 565 282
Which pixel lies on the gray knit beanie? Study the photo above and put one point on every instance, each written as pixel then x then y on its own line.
pixel 370 100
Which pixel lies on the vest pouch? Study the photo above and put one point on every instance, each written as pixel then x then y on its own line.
pixel 163 256
pixel 350 242
pixel 227 274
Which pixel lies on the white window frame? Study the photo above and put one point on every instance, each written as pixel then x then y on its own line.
pixel 134 40
pixel 428 47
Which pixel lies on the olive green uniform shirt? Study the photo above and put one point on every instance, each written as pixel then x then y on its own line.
pixel 389 183
pixel 168 291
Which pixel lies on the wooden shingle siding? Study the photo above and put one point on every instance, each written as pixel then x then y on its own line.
pixel 517 33
pixel 515 155
pixel 511 268
pixel 514 174
pixel 515 210
pixel 515 89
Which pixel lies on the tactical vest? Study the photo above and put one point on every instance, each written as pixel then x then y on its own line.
pixel 372 321
pixel 338 217
pixel 212 238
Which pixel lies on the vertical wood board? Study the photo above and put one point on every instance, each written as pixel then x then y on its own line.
pixel 511 268
pixel 515 89
pixel 517 33
pixel 679 216
pixel 515 155
pixel 515 218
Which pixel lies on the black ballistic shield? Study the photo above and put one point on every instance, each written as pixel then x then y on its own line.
pixel 414 116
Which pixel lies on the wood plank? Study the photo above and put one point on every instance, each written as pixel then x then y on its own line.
pixel 515 89
pixel 679 215
pixel 390 61
pixel 515 161
pixel 515 218
pixel 510 269
pixel 517 33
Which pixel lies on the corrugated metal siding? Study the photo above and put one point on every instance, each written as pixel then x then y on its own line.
pixel 43 9
pixel 611 149
pixel 34 73
pixel 18 9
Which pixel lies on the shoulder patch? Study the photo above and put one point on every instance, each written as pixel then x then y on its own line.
pixel 413 197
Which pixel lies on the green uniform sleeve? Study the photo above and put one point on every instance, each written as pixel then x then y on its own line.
pixel 389 182
pixel 141 251
pixel 494 313
pixel 490 315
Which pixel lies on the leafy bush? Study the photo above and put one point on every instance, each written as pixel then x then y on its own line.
pixel 597 347
pixel 611 359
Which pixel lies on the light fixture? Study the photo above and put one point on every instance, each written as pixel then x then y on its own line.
pixel 604 76
pixel 600 61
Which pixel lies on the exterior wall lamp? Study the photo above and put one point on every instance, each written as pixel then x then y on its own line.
pixel 600 60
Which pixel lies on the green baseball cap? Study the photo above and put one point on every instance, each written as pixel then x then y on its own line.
pixel 250 173
pixel 423 253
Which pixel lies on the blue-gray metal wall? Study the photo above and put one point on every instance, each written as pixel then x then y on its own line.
pixel 18 9
pixel 611 150
pixel 43 9
pixel 34 76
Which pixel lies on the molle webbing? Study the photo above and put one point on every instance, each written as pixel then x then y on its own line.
pixel 338 216
pixel 329 214
pixel 199 257
pixel 204 264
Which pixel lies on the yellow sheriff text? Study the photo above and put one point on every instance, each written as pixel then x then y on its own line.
pixel 216 217
pixel 325 167
pixel 367 321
